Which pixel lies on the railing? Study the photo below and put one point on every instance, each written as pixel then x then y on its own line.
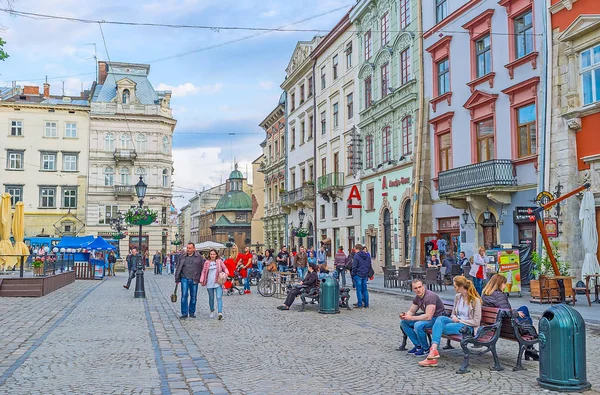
pixel 125 154
pixel 305 192
pixel 331 182
pixel 38 265
pixel 123 190
pixel 492 173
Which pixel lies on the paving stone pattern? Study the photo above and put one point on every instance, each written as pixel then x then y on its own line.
pixel 93 337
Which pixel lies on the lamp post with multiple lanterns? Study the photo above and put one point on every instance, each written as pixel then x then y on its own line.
pixel 140 291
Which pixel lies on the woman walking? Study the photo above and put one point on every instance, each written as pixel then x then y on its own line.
pixel 211 271
pixel 478 270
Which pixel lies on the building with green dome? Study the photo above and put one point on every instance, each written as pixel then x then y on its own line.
pixel 232 215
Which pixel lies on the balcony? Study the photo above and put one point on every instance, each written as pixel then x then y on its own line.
pixel 331 185
pixel 124 191
pixel 299 197
pixel 496 174
pixel 125 155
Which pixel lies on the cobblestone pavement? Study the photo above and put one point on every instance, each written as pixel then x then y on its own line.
pixel 93 337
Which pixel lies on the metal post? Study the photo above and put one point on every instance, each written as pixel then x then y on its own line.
pixel 21 266
pixel 140 292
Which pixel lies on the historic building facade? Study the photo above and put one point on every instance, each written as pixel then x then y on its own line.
pixel 574 149
pixel 45 158
pixel 388 67
pixel 131 129
pixel 336 136
pixel 258 208
pixel 274 169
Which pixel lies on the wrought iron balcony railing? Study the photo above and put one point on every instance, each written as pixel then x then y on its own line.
pixel 125 154
pixel 124 190
pixel 331 182
pixel 491 174
pixel 298 195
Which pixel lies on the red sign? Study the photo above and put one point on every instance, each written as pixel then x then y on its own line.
pixel 394 183
pixel 551 225
pixel 354 194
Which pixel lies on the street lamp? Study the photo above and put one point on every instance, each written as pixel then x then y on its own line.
pixel 301 215
pixel 140 292
pixel 487 214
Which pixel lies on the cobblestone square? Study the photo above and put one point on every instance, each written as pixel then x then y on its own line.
pixel 95 338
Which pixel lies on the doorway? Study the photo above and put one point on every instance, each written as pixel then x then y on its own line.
pixel 387 237
pixel 489 232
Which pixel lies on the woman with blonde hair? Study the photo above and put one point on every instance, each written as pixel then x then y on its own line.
pixel 478 270
pixel 466 312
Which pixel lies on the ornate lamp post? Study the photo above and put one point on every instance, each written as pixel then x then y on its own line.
pixel 140 292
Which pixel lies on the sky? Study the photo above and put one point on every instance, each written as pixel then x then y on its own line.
pixel 216 91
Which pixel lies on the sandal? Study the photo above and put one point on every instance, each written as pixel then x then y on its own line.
pixel 283 307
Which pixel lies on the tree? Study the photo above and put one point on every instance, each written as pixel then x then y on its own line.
pixel 3 54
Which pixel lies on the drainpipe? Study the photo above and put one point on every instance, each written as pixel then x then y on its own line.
pixel 314 128
pixel 285 177
pixel 546 114
pixel 420 130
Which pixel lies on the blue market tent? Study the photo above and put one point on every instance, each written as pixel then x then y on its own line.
pixel 100 244
pixel 75 242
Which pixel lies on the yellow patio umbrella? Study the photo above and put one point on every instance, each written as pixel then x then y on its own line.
pixel 6 247
pixel 18 229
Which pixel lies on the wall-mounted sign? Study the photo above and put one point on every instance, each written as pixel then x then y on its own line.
pixel 543 198
pixel 394 183
pixel 354 194
pixel 448 223
pixel 524 215
pixel 551 225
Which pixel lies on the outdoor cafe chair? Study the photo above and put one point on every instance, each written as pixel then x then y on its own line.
pixel 431 278
pixel 404 278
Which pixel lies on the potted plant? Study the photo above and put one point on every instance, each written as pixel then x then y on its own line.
pixel 118 235
pixel 38 266
pixel 282 191
pixel 301 232
pixel 140 216
pixel 544 285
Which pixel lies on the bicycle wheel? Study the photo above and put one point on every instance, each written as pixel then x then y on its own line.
pixel 266 287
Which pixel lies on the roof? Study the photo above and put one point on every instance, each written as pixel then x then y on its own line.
pixel 233 201
pixel 236 175
pixel 50 101
pixel 144 92
pixel 223 222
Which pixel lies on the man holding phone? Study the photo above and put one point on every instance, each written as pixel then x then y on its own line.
pixel 415 325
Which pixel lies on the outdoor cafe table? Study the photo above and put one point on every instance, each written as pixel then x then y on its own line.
pixel 596 285
pixel 417 273
pixel 281 280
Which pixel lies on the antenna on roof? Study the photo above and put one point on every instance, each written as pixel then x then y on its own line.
pixel 95 57
pixel 63 88
pixel 46 79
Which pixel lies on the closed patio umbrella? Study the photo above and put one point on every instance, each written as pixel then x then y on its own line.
pixel 589 235
pixel 18 229
pixel 6 247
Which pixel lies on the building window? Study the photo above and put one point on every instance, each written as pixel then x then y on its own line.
pixel 292 138
pixel 302 131
pixel 368 45
pixel 301 93
pixel 240 217
pixel 350 105
pixel 590 75
pixel 126 96
pixel 336 112
pixel 105 213
pixel 385 79
pixel 16 193
pixel 310 127
pixel 407 135
pixel 322 211
pixel 109 142
pixel 385 32
pixel 370 197
pixel 335 67
pixel 323 78
pixel 445 151
pixel 369 151
pixel 16 128
pixel 485 140
pixel 310 86
pixel 47 197
pixel 109 177
pixel 165 178
pixel 404 13
pixel 69 162
pixel 527 133
pixel 14 160
pixel 368 96
pixel 50 129
pixel 443 76
pixel 49 161
pixel 386 143
pixel 323 123
pixel 349 213
pixel 323 166
pixel 126 142
pixel 124 173
pixel 441 10
pixel 334 210
pixel 523 35
pixel 484 56
pixel 141 143
pixel 71 130
pixel 292 101
pixel 69 197
pixel 405 66
pixel 349 56
pixel 166 146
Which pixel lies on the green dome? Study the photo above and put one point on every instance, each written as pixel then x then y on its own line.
pixel 234 200
pixel 236 175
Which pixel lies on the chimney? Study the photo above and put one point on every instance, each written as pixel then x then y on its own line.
pixel 102 72
pixel 31 90
pixel 46 90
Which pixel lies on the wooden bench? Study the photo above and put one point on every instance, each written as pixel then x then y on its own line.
pixel 314 293
pixel 495 324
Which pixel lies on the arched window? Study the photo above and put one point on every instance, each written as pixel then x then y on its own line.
pixel 165 178
pixel 406 214
pixel 140 171
pixel 126 141
pixel 124 173
pixel 109 177
pixel 109 142
pixel 165 145
pixel 369 151
pixel 126 96
pixel 386 143
pixel 407 138
pixel 141 143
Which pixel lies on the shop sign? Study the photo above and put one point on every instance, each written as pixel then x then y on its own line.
pixel 551 225
pixel 524 214
pixel 394 183
pixel 544 197
pixel 354 194
pixel 448 223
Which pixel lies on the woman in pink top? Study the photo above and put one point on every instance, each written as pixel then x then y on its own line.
pixel 213 266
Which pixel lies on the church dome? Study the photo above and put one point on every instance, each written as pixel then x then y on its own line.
pixel 234 200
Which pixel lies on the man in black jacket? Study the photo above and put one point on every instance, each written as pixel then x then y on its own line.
pixel 310 281
pixel 361 268
pixel 188 271
pixel 132 260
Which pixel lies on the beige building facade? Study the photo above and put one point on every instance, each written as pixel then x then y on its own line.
pixel 257 234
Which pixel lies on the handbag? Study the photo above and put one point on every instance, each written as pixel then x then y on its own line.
pixel 174 295
pixel 479 272
pixel 222 278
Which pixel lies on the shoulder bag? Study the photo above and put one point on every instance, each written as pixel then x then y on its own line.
pixel 174 296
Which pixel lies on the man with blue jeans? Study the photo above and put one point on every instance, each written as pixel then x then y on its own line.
pixel 414 326
pixel 283 259
pixel 361 267
pixel 301 263
pixel 188 271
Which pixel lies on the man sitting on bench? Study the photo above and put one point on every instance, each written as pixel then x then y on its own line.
pixel 310 281
pixel 415 325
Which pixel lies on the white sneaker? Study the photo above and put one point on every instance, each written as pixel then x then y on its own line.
pixel 212 314
pixel 220 316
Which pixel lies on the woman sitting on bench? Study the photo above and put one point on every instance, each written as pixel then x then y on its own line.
pixel 310 281
pixel 466 312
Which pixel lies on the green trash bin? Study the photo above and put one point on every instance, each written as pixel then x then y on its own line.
pixel 562 350
pixel 329 296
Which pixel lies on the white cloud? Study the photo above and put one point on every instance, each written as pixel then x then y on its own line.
pixel 269 14
pixel 266 84
pixel 188 88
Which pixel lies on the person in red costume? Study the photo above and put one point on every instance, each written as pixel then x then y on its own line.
pixel 244 264
pixel 231 265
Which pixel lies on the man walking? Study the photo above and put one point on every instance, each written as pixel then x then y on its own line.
pixel 361 270
pixel 414 326
pixel 132 265
pixel 188 271
pixel 340 265
pixel 157 262
pixel 301 263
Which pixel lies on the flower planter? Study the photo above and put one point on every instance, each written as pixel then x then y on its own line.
pixel 143 222
pixel 546 290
